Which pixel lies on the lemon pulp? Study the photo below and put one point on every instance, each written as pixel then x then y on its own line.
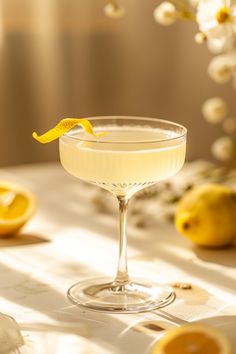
pixel 194 338
pixel 17 205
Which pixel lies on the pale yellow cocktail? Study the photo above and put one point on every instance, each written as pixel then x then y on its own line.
pixel 135 153
pixel 117 162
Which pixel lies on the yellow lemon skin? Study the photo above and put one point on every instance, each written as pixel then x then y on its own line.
pixel 207 215
pixel 17 205
pixel 10 230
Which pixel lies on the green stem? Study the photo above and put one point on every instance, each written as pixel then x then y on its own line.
pixel 187 16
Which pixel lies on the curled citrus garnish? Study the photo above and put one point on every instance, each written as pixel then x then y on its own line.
pixel 64 126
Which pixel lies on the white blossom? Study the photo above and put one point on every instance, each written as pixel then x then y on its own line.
pixel 165 13
pixel 217 19
pixel 214 110
pixel 223 148
pixel 114 11
pixel 219 45
pixel 220 69
pixel 229 125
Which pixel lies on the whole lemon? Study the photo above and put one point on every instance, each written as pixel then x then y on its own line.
pixel 207 215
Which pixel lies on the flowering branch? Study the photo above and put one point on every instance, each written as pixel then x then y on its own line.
pixel 217 28
pixel 216 21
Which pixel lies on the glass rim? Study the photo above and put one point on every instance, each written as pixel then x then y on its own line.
pixel 134 118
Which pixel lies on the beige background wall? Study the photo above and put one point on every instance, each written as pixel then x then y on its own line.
pixel 62 58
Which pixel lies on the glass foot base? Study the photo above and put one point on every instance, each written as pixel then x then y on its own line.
pixel 100 294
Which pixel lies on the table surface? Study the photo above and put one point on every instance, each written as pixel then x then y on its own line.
pixel 68 240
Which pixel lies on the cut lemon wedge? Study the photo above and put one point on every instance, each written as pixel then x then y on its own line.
pixel 17 205
pixel 194 339
pixel 64 126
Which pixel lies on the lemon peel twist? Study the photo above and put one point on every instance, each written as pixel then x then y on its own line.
pixel 64 126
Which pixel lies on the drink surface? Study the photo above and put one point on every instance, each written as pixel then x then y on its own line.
pixel 127 157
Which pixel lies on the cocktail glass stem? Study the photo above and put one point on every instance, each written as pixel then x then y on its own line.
pixel 122 276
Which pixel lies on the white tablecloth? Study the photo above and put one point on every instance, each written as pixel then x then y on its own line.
pixel 68 240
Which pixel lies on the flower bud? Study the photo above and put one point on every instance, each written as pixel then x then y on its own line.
pixel 165 13
pixel 214 110
pixel 200 37
pixel 220 70
pixel 114 11
pixel 223 148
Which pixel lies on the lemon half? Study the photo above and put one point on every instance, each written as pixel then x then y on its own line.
pixel 194 338
pixel 17 205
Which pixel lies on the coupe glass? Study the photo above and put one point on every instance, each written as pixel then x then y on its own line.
pixel 135 153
